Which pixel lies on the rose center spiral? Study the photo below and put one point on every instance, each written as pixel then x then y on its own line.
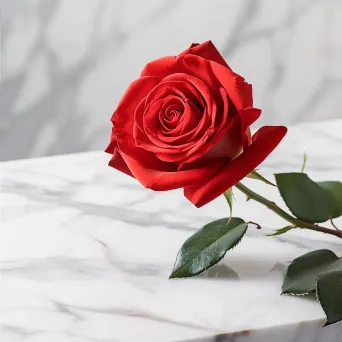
pixel 171 113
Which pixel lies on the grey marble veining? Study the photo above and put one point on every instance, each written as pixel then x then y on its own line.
pixel 85 254
pixel 63 78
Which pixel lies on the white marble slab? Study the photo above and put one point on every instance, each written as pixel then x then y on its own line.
pixel 85 254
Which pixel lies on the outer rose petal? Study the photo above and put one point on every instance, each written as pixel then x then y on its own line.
pixel 239 91
pixel 188 64
pixel 123 117
pixel 118 163
pixel 229 144
pixel 207 50
pixel 248 116
pixel 157 175
pixel 265 140
pixel 112 145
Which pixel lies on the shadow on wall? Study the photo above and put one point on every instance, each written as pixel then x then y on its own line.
pixel 40 110
pixel 55 118
pixel 55 123
pixel 307 28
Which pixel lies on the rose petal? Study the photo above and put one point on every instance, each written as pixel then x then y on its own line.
pixel 149 140
pixel 239 91
pixel 207 50
pixel 192 65
pixel 160 176
pixel 195 127
pixel 185 121
pixel 140 113
pixel 189 129
pixel 264 142
pixel 158 147
pixel 112 145
pixel 191 148
pixel 184 90
pixel 123 117
pixel 176 85
pixel 219 130
pixel 201 89
pixel 118 163
pixel 229 143
pixel 248 116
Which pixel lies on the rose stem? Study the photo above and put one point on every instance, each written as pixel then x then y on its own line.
pixel 273 206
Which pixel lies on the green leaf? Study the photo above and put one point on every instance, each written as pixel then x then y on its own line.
pixel 305 158
pixel 301 275
pixel 208 246
pixel 229 198
pixel 335 188
pixel 256 175
pixel 281 231
pixel 306 199
pixel 329 294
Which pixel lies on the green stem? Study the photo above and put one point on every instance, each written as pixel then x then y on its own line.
pixel 280 212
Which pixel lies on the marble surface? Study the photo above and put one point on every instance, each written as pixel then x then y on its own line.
pixel 64 77
pixel 85 254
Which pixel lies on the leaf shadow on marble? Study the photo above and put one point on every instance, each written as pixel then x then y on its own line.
pixel 244 268
pixel 304 331
pixel 219 272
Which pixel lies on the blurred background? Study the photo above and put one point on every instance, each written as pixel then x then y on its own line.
pixel 66 63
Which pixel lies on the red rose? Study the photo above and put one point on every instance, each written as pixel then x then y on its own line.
pixel 184 123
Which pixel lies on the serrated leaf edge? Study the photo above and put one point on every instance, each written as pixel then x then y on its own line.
pixel 293 293
pixel 327 323
pixel 280 173
pixel 224 254
pixel 283 292
pixel 319 301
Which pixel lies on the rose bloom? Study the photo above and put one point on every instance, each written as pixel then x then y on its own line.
pixel 184 123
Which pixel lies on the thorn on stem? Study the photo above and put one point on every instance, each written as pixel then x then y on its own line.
pixel 333 224
pixel 257 224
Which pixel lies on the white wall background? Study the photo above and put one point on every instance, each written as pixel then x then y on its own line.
pixel 66 63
